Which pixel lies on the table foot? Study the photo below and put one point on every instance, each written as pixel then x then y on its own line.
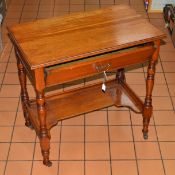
pixel 29 125
pixel 48 163
pixel 145 135
pixel 146 124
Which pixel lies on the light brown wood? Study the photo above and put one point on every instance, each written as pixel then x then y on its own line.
pixel 63 49
pixel 80 35
pixel 57 108
pixel 94 65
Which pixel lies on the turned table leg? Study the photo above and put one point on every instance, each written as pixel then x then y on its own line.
pixel 44 135
pixel 120 79
pixel 148 108
pixel 120 76
pixel 24 93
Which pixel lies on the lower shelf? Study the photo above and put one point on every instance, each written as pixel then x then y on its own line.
pixel 82 100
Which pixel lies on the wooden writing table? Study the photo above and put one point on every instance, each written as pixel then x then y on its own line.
pixel 59 50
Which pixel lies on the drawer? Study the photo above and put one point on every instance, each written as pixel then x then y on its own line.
pixel 82 68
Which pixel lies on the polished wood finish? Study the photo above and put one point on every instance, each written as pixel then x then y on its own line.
pixel 147 112
pixel 81 35
pixel 62 49
pixel 94 65
pixel 24 93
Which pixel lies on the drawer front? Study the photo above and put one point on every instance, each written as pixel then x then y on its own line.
pixel 88 67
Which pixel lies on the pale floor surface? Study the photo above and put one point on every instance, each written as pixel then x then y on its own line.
pixel 104 142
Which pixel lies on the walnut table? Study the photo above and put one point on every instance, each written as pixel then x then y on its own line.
pixel 62 49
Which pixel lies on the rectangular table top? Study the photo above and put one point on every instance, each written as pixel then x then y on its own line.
pixel 61 39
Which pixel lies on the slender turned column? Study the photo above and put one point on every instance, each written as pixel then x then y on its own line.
pixel 120 76
pixel 24 93
pixel 44 135
pixel 147 111
pixel 120 79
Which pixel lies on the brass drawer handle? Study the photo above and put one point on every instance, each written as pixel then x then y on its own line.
pixel 101 68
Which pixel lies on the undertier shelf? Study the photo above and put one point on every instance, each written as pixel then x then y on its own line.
pixel 82 100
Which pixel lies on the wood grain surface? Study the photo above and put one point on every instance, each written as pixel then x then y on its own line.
pixel 61 39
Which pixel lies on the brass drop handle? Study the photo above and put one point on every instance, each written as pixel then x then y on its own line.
pixel 102 67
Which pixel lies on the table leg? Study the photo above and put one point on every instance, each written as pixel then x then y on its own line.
pixel 44 134
pixel 148 108
pixel 24 93
pixel 120 76
pixel 117 95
